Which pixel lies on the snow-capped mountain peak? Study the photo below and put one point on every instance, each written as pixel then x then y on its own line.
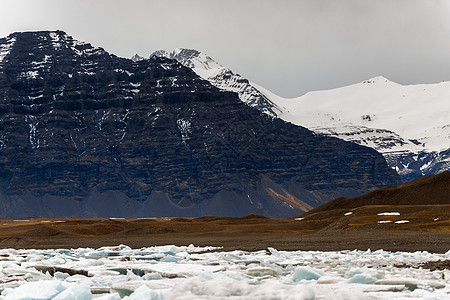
pixel 195 59
pixel 202 64
pixel 378 80
pixel 418 112
pixel 137 57
pixel 408 124
pixel 159 53
pixel 221 77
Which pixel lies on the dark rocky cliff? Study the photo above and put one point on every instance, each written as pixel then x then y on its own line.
pixel 86 133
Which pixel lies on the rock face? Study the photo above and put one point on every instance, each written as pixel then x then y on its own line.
pixel 220 77
pixel 409 125
pixel 85 133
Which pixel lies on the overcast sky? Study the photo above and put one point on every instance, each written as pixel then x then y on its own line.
pixel 288 46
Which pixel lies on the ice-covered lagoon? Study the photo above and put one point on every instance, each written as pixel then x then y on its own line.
pixel 171 272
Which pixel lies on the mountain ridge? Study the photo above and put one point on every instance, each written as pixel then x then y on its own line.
pixel 86 133
pixel 413 135
pixel 221 77
pixel 412 148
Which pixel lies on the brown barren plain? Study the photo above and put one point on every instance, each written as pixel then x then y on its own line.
pixel 414 216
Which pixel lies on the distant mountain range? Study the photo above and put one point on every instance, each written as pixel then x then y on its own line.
pixel 409 125
pixel 84 133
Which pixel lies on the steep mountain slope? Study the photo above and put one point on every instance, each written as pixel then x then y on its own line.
pixel 409 125
pixel 85 133
pixel 221 77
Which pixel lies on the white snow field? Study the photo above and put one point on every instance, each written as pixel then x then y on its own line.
pixel 414 112
pixel 170 272
pixel 408 124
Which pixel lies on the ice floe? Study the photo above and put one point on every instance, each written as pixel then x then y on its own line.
pixel 189 272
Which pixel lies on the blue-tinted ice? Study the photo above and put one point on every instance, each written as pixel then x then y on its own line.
pixel 171 272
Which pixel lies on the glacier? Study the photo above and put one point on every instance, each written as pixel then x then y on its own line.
pixel 190 272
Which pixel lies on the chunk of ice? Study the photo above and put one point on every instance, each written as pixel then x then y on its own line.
pixel 129 287
pixel 361 278
pixel 102 273
pixel 171 269
pixel 35 290
pixel 143 292
pixel 306 273
pixel 61 275
pixel 329 280
pixel 113 296
pixel 410 283
pixel 261 271
pixel 76 292
pixel 152 276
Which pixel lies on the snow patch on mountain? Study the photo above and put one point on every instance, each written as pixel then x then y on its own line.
pixel 42 62
pixel 61 39
pixel 5 48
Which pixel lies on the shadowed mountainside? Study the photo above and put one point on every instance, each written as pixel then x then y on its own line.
pixel 84 133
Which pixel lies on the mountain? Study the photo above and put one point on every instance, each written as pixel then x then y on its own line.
pixel 221 77
pixel 84 133
pixel 409 125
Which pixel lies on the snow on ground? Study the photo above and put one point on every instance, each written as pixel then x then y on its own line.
pixel 401 221
pixel 395 213
pixel 171 272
